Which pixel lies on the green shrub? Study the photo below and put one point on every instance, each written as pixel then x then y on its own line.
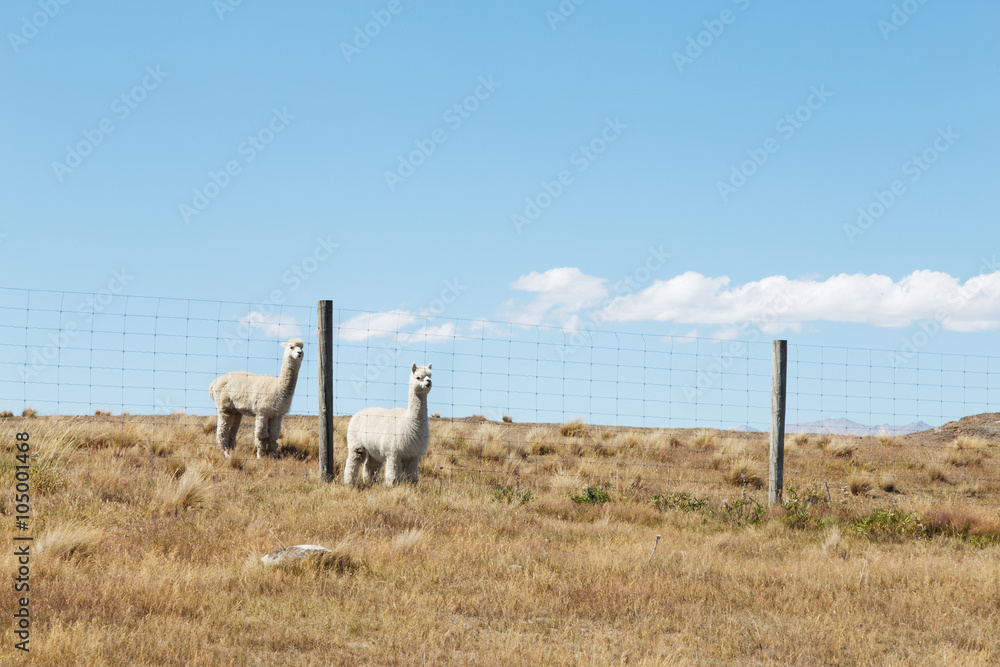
pixel 742 512
pixel 510 495
pixel 684 502
pixel 593 495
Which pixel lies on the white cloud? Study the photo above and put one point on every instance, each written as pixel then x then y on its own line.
pixel 392 323
pixel 367 326
pixel 429 334
pixel 778 303
pixel 775 304
pixel 560 294
pixel 277 326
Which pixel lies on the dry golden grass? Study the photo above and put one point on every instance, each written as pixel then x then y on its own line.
pixel 159 560
pixel 194 490
pixel 69 541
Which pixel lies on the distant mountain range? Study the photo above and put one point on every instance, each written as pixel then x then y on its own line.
pixel 847 427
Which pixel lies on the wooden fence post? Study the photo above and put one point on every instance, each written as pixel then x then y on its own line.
pixel 776 469
pixel 324 312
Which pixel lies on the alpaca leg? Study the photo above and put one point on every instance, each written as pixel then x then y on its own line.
pixel 392 469
pixel 370 470
pixel 273 431
pixel 260 434
pixel 410 473
pixel 234 421
pixel 225 431
pixel 355 459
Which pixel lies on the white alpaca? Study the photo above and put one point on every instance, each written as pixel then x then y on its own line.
pixel 397 437
pixel 265 397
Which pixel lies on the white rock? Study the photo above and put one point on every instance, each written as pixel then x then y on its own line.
pixel 292 553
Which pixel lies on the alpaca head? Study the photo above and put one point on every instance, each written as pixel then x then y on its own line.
pixel 293 350
pixel 420 379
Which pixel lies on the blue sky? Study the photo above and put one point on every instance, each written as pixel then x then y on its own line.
pixel 249 148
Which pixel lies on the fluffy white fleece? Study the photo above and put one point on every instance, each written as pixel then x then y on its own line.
pixel 398 437
pixel 265 397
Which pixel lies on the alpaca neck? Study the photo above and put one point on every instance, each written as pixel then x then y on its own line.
pixel 418 406
pixel 287 379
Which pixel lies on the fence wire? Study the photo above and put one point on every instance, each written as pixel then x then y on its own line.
pixel 523 402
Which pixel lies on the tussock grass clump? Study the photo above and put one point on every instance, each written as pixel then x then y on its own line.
pixel 883 437
pixel 629 439
pixel 493 443
pixel 841 448
pixel 194 490
pixel 744 471
pixel 29 413
pixel 833 544
pixel 936 472
pixel 69 541
pixel 6 414
pixel 538 442
pixel 800 439
pixel 574 428
pixel 887 483
pixel 299 443
pixel 209 425
pixel 704 439
pixel 564 481
pixel 102 413
pixel 966 451
pixel 859 485
pixel 507 418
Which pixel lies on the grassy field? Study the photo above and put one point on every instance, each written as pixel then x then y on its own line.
pixel 522 544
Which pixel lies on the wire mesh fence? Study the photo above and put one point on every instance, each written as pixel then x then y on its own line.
pixel 526 403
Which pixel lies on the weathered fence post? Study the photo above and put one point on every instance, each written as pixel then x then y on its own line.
pixel 324 313
pixel 776 469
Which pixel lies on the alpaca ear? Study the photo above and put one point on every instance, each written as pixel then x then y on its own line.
pixel 429 366
pixel 414 369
